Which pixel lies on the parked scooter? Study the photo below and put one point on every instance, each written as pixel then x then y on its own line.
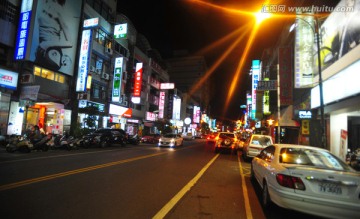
pixel 62 142
pixel 42 144
pixel 19 143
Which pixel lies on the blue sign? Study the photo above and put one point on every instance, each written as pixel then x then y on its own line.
pixel 22 35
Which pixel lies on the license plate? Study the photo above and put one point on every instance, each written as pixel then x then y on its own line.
pixel 330 188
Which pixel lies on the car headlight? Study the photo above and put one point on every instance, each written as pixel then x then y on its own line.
pixel 172 140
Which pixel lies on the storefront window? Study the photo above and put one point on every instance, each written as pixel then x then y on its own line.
pixel 50 75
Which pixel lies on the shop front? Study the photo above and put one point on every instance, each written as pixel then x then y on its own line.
pixel 8 84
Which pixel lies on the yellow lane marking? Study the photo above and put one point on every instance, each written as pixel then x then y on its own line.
pixel 71 172
pixel 245 192
pixel 162 213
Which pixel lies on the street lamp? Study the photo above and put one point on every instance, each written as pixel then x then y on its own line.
pixel 315 28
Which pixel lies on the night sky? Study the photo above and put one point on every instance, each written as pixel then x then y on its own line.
pixel 178 24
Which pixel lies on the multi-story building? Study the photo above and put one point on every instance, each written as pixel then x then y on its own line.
pixel 61 58
pixel 186 72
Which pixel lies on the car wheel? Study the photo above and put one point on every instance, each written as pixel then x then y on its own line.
pixel 266 201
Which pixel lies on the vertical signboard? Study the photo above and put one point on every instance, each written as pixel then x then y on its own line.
pixel 196 114
pixel 176 108
pixel 23 29
pixel 304 51
pixel 138 80
pixel 161 104
pixel 120 31
pixel 116 92
pixel 83 61
pixel 255 80
pixel 285 74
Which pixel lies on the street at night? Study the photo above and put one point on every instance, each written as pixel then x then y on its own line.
pixel 141 181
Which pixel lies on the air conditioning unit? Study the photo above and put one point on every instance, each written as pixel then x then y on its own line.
pixel 98 71
pixel 106 76
pixel 92 68
pixel 108 51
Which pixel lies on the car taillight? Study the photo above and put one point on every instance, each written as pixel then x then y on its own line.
pixel 216 138
pixel 290 181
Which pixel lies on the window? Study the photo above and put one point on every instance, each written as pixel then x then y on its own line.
pixel 50 75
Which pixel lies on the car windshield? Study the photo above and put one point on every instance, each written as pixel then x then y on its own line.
pixel 226 135
pixel 170 136
pixel 261 140
pixel 309 157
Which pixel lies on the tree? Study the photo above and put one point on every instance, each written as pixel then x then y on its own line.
pixel 164 126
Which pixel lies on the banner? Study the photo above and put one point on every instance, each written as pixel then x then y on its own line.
pixel 285 75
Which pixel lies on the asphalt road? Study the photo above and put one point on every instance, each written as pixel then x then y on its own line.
pixel 141 181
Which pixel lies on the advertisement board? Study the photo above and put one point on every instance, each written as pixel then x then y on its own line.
pixel 55 33
pixel 8 79
pixel 83 61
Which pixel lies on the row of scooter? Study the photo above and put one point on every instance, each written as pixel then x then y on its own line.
pixel 48 141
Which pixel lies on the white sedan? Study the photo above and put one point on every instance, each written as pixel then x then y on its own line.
pixel 307 179
pixel 171 140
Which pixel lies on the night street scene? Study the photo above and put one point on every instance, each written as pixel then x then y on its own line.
pixel 179 109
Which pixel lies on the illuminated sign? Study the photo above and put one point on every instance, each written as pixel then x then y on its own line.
pixel 342 85
pixel 267 85
pixel 165 86
pixel 196 114
pixel 255 80
pixel 86 103
pixel 305 114
pixel 92 22
pixel 8 79
pixel 304 51
pixel 138 79
pixel 120 31
pixel 161 104
pixel 266 100
pixel 23 29
pixel 176 108
pixel 83 61
pixel 150 116
pixel 120 111
pixel 117 79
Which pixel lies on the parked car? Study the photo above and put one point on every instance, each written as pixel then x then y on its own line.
pixel 254 144
pixel 151 138
pixel 188 136
pixel 105 137
pixel 307 179
pixel 171 140
pixel 226 141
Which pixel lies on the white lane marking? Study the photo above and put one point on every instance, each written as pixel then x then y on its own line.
pixel 245 192
pixel 162 213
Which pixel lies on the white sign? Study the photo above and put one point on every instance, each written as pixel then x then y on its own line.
pixel 8 79
pixel 83 61
pixel 120 31
pixel 161 104
pixel 166 86
pixel 92 22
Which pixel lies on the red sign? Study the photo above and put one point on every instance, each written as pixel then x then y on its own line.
pixel 138 79
pixel 285 74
